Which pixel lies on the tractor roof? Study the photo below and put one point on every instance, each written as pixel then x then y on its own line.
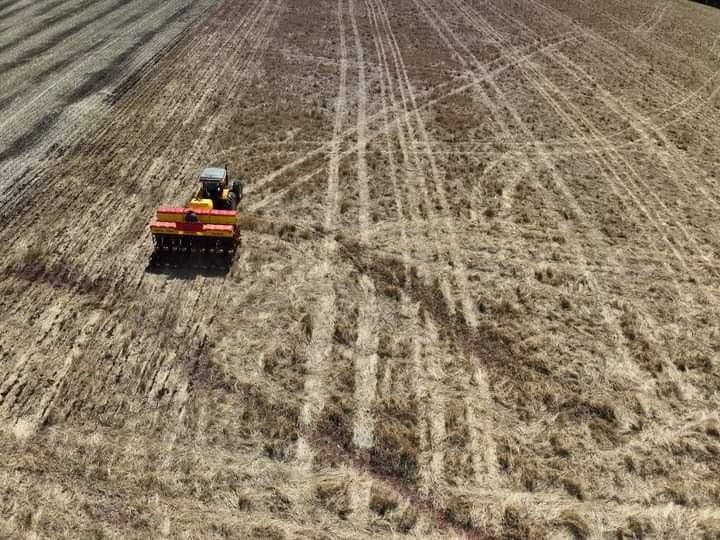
pixel 213 173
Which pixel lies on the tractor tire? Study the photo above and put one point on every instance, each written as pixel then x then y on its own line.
pixel 231 201
pixel 237 189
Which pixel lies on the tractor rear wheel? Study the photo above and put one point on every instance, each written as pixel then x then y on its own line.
pixel 231 201
pixel 237 189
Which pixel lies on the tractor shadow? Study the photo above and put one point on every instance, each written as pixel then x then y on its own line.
pixel 183 268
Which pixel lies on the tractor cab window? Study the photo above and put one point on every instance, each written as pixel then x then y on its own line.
pixel 212 174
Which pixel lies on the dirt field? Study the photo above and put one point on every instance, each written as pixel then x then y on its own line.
pixel 478 293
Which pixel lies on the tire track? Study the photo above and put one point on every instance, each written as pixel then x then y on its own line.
pixel 677 100
pixel 362 170
pixel 459 270
pixel 427 375
pixel 209 423
pixel 474 19
pixel 363 434
pixel 318 352
pixel 324 148
pixel 657 19
pixel 640 126
pixel 333 191
pixel 388 90
pixel 388 123
pixel 548 87
pixel 565 515
pixel 324 312
pixel 620 163
pixel 366 361
pixel 653 133
pixel 483 26
pixel 608 318
pixel 673 92
pixel 482 447
pixel 636 183
pixel 431 428
pixel 641 34
pixel 657 13
pixel 385 82
pixel 485 468
pixel 657 128
pixel 421 208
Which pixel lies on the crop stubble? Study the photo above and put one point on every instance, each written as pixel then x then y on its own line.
pixel 477 293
